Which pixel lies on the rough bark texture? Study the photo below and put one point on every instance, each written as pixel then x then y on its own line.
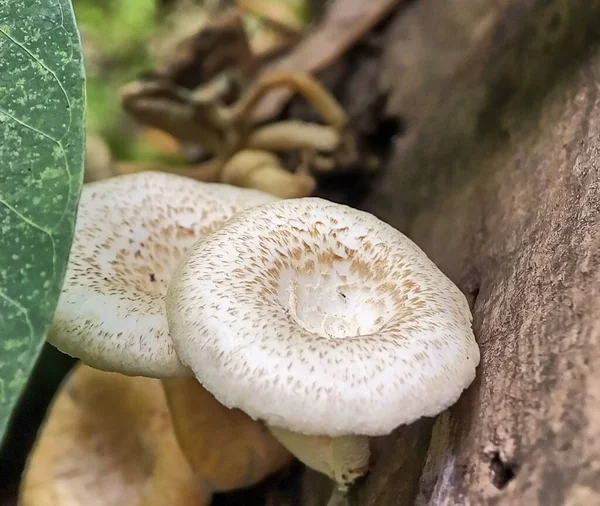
pixel 523 241
pixel 459 74
pixel 497 178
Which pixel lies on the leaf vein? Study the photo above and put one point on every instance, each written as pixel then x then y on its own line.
pixel 24 218
pixel 21 309
pixel 27 125
pixel 40 61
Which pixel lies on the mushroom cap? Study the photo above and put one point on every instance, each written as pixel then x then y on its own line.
pixel 321 319
pixel 108 440
pixel 131 232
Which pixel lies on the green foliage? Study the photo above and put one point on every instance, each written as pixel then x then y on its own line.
pixel 42 104
pixel 116 27
pixel 116 35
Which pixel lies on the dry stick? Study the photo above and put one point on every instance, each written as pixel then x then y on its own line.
pixel 343 23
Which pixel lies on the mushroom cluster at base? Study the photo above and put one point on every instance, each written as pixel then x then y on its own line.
pixel 324 322
pixel 131 233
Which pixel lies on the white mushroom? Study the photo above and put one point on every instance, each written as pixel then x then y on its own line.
pixel 131 232
pixel 326 323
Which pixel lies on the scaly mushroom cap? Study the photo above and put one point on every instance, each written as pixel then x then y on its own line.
pixel 321 319
pixel 131 231
pixel 108 441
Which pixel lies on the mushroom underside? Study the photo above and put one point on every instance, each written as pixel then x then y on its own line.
pixel 108 440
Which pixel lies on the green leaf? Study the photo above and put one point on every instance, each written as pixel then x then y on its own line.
pixel 42 102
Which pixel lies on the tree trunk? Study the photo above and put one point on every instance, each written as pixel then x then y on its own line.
pixel 522 239
pixel 496 175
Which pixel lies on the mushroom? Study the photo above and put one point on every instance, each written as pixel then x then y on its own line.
pixel 324 322
pixel 130 234
pixel 108 441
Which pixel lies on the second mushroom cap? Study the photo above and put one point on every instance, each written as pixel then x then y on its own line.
pixel 131 232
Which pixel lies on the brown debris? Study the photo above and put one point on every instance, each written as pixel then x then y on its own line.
pixel 221 46
pixel 216 109
pixel 224 131
pixel 343 24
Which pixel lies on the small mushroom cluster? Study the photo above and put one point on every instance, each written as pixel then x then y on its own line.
pixel 276 327
pixel 208 101
pixel 241 154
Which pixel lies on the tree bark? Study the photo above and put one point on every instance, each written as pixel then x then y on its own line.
pixel 522 239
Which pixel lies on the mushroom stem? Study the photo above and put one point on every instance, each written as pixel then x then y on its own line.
pixel 338 498
pixel 341 458
pixel 225 447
